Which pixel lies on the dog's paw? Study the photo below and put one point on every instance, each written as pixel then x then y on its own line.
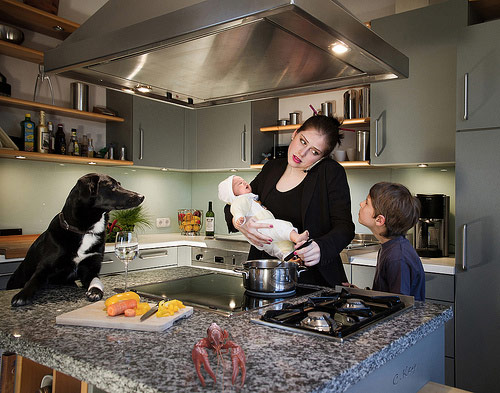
pixel 94 294
pixel 20 299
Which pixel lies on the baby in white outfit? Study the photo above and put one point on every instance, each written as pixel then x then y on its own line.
pixel 236 192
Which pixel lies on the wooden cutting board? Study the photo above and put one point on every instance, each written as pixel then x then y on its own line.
pixel 94 315
pixel 16 246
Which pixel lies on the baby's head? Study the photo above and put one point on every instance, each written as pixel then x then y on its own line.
pixel 231 187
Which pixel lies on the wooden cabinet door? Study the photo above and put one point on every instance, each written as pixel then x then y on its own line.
pixel 158 130
pixel 414 117
pixel 478 79
pixel 223 136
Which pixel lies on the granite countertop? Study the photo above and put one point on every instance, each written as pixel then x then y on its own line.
pixel 130 361
pixel 445 265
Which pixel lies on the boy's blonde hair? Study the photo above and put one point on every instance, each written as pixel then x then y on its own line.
pixel 395 202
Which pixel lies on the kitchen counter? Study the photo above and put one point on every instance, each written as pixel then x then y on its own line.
pixel 445 265
pixel 130 361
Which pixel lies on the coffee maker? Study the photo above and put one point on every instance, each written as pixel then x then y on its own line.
pixel 430 236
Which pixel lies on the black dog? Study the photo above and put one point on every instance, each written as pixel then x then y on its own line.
pixel 72 247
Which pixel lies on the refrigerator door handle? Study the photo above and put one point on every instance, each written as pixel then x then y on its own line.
pixel 464 247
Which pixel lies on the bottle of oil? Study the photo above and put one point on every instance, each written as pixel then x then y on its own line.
pixel 28 130
pixel 42 135
pixel 73 146
pixel 60 140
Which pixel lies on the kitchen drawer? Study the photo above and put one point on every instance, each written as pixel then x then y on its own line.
pixel 440 287
pixel 6 270
pixel 149 258
pixel 362 276
pixel 348 273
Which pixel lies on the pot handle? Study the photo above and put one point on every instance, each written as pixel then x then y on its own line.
pixel 241 270
pixel 301 269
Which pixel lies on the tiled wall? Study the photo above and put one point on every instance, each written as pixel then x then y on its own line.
pixel 31 193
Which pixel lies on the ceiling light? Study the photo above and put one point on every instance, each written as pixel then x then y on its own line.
pixel 21 157
pixel 128 90
pixel 92 163
pixel 339 48
pixel 422 165
pixel 143 88
pixel 57 28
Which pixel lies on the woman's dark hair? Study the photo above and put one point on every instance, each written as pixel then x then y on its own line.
pixel 325 125
pixel 395 202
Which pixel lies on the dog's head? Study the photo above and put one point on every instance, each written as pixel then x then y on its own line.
pixel 105 193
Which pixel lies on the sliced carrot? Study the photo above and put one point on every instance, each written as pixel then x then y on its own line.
pixel 129 312
pixel 120 307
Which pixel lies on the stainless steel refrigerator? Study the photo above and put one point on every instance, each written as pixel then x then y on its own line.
pixel 477 286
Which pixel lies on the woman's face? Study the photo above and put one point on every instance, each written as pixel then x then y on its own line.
pixel 306 148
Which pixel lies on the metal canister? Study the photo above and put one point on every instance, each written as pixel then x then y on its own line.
pixel 294 118
pixel 350 104
pixel 80 96
pixel 362 145
pixel 364 102
pixel 327 109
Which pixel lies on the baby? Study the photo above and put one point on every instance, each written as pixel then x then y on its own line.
pixel 237 192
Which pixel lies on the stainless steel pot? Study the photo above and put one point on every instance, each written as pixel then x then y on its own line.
pixel 264 275
pixel 11 34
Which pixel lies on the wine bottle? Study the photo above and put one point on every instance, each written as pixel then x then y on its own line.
pixel 42 135
pixel 210 221
pixel 73 146
pixel 28 132
pixel 90 149
pixel 60 142
pixel 52 137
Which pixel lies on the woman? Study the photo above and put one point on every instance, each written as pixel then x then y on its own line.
pixel 310 190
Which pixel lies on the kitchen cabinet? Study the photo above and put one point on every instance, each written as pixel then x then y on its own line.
pixel 477 317
pixel 152 133
pixel 146 259
pixel 6 270
pixel 413 120
pixel 478 80
pixel 439 288
pixel 229 136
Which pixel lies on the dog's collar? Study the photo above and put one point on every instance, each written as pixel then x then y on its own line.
pixel 68 227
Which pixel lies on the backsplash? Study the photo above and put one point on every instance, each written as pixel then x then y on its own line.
pixel 32 193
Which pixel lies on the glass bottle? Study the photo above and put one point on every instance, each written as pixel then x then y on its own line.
pixel 73 145
pixel 84 146
pixel 52 137
pixel 28 132
pixel 210 221
pixel 90 149
pixel 60 140
pixel 42 135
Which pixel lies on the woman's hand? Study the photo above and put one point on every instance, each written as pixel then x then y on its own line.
pixel 249 228
pixel 310 255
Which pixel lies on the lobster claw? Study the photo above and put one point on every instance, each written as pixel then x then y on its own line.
pixel 238 360
pixel 200 356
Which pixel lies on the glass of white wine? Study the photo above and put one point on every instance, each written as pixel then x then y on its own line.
pixel 126 249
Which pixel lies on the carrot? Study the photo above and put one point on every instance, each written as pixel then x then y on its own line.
pixel 120 307
pixel 129 312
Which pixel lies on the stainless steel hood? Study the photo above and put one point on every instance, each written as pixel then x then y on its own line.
pixel 201 53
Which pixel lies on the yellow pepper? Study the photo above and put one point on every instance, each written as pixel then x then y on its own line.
pixel 122 296
pixel 142 308
pixel 169 308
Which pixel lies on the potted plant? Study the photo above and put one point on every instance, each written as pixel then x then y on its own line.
pixel 126 220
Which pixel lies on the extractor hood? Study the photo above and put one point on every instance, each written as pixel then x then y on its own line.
pixel 202 53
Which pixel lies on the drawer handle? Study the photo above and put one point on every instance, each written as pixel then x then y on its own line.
pixel 107 261
pixel 156 255
pixel 5 274
pixel 464 247
pixel 466 96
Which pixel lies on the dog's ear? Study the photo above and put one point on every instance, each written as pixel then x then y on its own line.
pixel 89 185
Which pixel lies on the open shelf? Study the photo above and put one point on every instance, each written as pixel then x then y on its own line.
pixel 32 156
pixel 57 110
pixel 31 18
pixel 290 127
pixel 21 52
pixel 345 164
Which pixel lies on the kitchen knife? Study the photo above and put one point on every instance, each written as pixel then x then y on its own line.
pixel 150 312
pixel 291 255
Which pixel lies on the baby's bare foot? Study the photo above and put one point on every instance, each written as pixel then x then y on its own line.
pixel 296 238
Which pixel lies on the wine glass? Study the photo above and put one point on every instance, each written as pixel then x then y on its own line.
pixel 126 249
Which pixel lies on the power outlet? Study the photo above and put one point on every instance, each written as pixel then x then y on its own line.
pixel 163 222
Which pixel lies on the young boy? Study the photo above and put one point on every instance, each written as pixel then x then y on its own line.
pixel 389 211
pixel 236 192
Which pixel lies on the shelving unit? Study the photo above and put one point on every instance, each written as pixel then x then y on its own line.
pixel 31 18
pixel 33 156
pixel 57 110
pixel 345 164
pixel 21 52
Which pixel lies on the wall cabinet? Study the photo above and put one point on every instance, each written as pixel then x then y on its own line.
pixel 478 80
pixel 413 120
pixel 152 133
pixel 229 136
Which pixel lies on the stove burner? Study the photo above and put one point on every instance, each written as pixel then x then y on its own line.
pixel 318 320
pixel 354 304
pixel 271 294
